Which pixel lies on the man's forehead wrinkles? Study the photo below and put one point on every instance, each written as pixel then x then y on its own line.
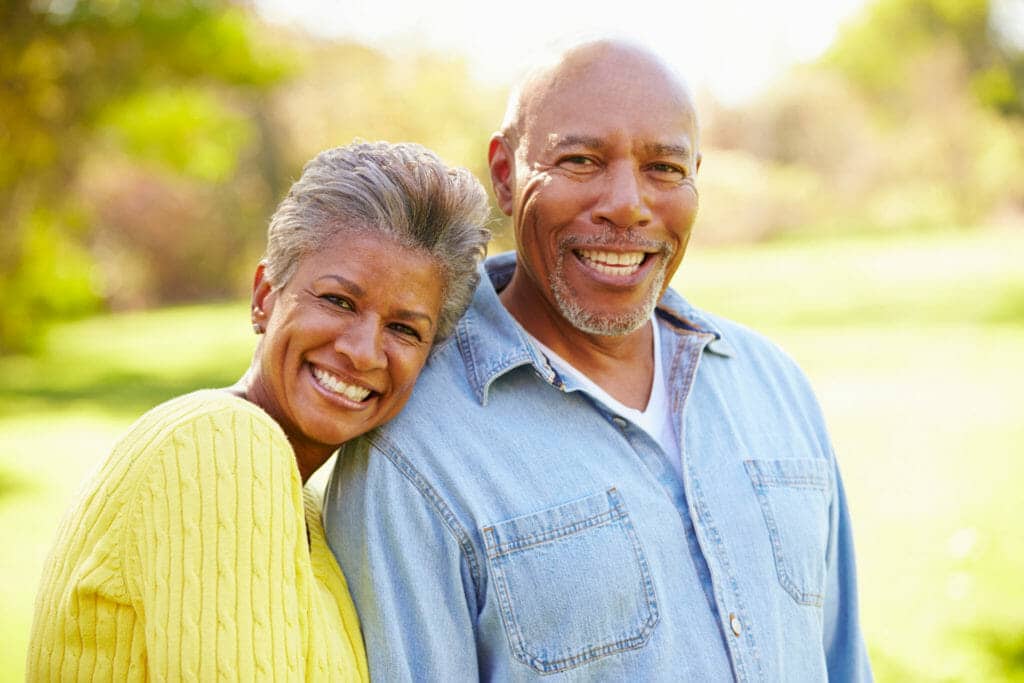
pixel 558 141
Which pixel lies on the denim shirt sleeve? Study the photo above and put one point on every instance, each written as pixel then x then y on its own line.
pixel 398 560
pixel 843 643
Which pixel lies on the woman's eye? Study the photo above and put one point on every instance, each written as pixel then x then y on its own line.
pixel 406 330
pixel 339 301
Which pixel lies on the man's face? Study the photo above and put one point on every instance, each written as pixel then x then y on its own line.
pixel 604 195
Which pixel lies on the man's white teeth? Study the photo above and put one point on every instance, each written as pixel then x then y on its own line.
pixel 613 262
pixel 350 391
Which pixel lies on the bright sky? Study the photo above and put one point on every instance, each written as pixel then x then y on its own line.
pixel 733 47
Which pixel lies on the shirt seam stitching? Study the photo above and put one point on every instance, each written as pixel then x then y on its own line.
pixel 395 456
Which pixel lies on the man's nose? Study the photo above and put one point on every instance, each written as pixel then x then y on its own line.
pixel 362 343
pixel 622 202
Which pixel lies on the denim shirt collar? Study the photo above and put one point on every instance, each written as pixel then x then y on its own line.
pixel 491 342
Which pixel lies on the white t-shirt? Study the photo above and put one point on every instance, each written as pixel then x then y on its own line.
pixel 656 419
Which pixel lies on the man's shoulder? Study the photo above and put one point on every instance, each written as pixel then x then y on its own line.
pixel 737 337
pixel 446 371
pixel 743 338
pixel 743 353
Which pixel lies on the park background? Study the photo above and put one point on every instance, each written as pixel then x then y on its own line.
pixel 863 204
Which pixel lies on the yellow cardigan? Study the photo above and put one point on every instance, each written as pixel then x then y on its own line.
pixel 193 553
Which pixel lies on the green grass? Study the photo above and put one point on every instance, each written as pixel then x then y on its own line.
pixel 915 345
pixel 124 364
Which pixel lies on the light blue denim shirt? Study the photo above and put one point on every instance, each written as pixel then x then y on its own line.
pixel 508 527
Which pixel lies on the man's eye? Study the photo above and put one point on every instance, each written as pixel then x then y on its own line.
pixel 576 160
pixel 668 171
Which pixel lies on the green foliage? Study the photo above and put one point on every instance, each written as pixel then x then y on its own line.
pixel 147 141
pixel 894 129
pixel 53 280
pixel 881 50
pixel 171 83
pixel 349 91
pixel 159 135
pixel 186 129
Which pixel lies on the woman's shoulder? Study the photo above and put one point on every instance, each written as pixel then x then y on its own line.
pixel 202 402
pixel 199 424
pixel 217 406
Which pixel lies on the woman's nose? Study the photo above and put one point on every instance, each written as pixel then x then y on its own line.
pixel 362 343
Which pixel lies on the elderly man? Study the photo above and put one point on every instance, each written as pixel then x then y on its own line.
pixel 595 480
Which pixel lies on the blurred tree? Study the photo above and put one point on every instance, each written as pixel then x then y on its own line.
pixel 879 52
pixel 178 85
pixel 945 79
pixel 351 91
pixel 896 127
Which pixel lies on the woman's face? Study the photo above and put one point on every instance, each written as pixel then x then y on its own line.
pixel 345 339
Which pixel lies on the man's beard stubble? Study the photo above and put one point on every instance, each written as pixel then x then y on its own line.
pixel 605 325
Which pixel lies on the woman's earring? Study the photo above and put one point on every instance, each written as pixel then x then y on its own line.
pixel 257 328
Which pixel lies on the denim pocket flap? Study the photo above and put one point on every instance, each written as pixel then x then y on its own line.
pixel 796 472
pixel 794 496
pixel 572 583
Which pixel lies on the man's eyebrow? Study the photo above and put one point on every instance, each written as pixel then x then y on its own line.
pixel 663 149
pixel 556 143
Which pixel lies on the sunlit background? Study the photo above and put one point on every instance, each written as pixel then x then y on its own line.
pixel 862 202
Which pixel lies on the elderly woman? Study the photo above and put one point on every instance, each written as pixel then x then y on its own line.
pixel 194 553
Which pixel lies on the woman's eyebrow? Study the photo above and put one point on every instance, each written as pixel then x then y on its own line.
pixel 345 282
pixel 407 314
pixel 403 313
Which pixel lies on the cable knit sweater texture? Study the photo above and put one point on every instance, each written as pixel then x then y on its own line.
pixel 194 553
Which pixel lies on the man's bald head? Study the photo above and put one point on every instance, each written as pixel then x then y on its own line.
pixel 599 61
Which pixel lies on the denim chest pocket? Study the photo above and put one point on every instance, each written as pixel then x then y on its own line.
pixel 794 497
pixel 572 583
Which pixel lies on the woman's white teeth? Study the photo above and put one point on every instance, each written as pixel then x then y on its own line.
pixel 332 383
pixel 613 262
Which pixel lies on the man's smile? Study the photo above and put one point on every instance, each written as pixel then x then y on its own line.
pixel 612 262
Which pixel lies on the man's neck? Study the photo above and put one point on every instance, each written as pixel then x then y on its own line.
pixel 621 365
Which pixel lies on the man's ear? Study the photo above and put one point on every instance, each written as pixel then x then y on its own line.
pixel 501 160
pixel 263 298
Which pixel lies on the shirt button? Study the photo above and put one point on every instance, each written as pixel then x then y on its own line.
pixel 734 622
pixel 620 422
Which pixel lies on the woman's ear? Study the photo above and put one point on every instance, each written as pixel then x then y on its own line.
pixel 501 160
pixel 263 298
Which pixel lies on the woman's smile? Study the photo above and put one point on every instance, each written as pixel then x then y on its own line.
pixel 336 386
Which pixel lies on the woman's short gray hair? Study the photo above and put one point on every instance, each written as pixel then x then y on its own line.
pixel 399 190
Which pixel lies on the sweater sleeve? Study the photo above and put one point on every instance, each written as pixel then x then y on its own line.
pixel 209 551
